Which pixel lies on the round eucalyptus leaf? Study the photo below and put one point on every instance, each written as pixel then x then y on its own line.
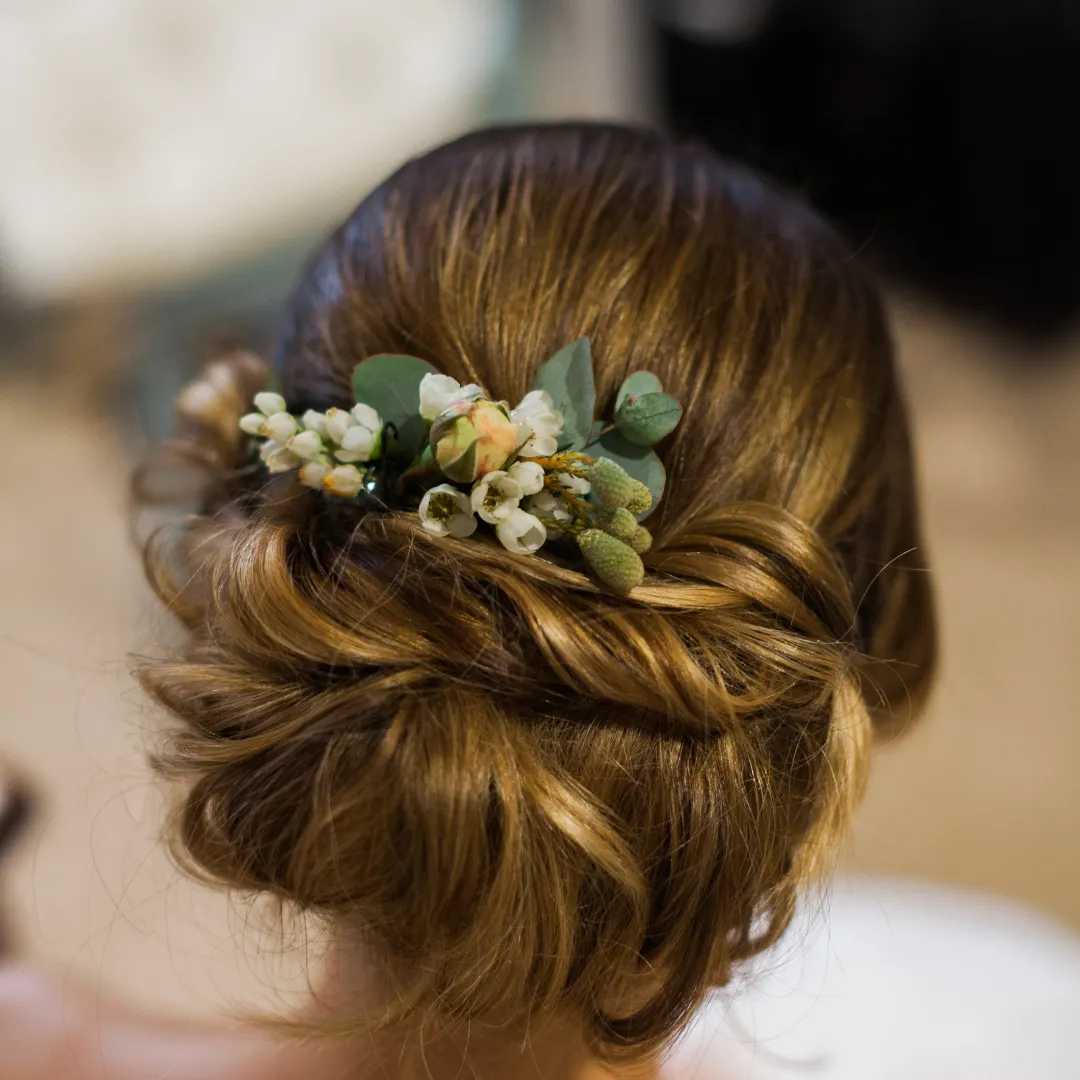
pixel 639 461
pixel 640 382
pixel 568 378
pixel 391 386
pixel 648 418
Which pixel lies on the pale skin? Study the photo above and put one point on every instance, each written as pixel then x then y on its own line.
pixel 54 1025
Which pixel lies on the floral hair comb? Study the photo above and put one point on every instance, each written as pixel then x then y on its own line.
pixel 546 471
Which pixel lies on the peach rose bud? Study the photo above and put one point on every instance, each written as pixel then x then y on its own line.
pixel 472 438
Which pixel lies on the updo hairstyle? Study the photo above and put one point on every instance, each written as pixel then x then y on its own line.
pixel 529 793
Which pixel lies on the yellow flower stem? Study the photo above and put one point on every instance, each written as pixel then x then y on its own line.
pixel 582 510
pixel 568 461
pixel 567 529
pixel 576 464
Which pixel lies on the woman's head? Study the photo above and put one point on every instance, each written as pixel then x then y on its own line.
pixel 529 793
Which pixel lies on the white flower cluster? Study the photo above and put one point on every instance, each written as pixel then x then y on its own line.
pixel 503 497
pixel 495 498
pixel 325 447
pixel 539 424
pixel 439 392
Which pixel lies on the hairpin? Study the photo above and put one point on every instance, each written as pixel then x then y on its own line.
pixel 545 471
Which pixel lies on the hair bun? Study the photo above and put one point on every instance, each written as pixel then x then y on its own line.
pixel 530 792
pixel 457 752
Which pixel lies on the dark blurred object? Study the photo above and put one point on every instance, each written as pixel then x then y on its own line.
pixel 936 132
pixel 15 805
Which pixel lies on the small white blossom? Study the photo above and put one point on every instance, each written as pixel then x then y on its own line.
pixel 271 421
pixel 439 392
pixel 306 445
pixel 553 508
pixel 345 480
pixel 314 421
pixel 521 533
pixel 529 475
pixel 367 417
pixel 314 473
pixel 277 457
pixel 539 446
pixel 496 496
pixel 361 441
pixel 280 427
pixel 445 511
pixel 337 422
pixel 269 403
pixel 539 424
pixel 356 445
pixel 577 484
pixel 252 424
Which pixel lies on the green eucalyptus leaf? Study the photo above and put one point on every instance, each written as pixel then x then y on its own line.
pixel 425 459
pixel 639 461
pixel 273 380
pixel 391 386
pixel 568 378
pixel 423 466
pixel 594 431
pixel 640 382
pixel 648 418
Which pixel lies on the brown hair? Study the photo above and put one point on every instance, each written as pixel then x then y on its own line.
pixel 533 792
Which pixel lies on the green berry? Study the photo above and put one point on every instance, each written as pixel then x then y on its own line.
pixel 613 562
pixel 611 484
pixel 619 523
pixel 640 540
pixel 640 500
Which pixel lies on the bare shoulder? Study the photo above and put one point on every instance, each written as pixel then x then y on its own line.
pixel 57 1027
pixel 46 1027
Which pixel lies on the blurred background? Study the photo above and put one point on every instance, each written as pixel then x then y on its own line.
pixel 164 164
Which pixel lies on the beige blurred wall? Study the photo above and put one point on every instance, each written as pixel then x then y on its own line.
pixel 985 792
pixel 982 794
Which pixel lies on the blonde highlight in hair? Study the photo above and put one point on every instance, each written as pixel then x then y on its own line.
pixel 532 794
